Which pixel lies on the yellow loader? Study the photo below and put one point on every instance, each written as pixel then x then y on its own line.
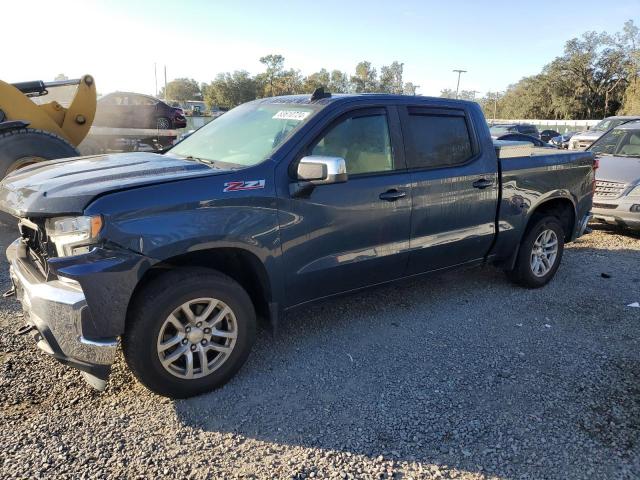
pixel 31 132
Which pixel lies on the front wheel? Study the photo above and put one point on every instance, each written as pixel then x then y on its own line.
pixel 540 253
pixel 188 332
pixel 163 124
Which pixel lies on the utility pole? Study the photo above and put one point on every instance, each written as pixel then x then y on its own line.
pixel 495 96
pixel 460 72
pixel 165 82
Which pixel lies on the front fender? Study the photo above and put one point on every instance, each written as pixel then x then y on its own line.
pixel 163 221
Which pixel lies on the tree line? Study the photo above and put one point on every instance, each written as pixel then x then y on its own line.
pixel 596 76
pixel 230 89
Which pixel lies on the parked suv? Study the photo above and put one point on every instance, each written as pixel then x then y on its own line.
pixel 278 203
pixel 617 195
pixel 134 110
pixel 582 140
pixel 503 128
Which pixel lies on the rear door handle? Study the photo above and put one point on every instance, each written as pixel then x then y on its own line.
pixel 392 195
pixel 482 183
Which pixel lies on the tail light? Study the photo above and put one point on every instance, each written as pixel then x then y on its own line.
pixel 596 165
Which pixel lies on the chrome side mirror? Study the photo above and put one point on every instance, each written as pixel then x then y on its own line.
pixel 316 170
pixel 321 170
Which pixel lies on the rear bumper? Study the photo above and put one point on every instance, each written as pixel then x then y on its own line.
pixel 56 310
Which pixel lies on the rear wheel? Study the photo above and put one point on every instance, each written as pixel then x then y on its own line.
pixel 26 146
pixel 188 332
pixel 540 253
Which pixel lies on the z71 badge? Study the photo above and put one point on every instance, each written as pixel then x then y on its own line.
pixel 243 185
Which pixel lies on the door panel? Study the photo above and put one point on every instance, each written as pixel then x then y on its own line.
pixel 455 189
pixel 349 235
pixel 143 111
pixel 345 237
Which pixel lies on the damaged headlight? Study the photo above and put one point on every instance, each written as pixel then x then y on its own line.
pixel 73 235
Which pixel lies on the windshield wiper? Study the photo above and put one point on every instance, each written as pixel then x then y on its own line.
pixel 201 160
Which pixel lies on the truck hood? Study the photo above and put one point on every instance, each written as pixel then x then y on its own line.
pixel 619 169
pixel 67 186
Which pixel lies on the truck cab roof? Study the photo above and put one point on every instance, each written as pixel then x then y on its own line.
pixel 354 97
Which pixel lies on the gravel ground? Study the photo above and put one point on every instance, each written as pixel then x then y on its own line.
pixel 457 376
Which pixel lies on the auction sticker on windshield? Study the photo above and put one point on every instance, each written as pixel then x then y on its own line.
pixel 291 115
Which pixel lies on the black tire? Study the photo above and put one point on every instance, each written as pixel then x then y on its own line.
pixel 163 123
pixel 22 147
pixel 522 272
pixel 153 305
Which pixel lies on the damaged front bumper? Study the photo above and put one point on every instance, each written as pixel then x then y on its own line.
pixel 54 313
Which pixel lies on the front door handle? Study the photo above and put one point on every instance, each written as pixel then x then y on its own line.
pixel 392 195
pixel 482 183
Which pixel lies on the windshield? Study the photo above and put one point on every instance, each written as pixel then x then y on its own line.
pixel 246 135
pixel 607 124
pixel 621 142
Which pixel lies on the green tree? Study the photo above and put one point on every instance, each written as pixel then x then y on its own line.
pixel 631 104
pixel 289 82
pixel 410 89
pixel 275 65
pixel 462 94
pixel 365 79
pixel 339 82
pixel 491 104
pixel 317 80
pixel 230 89
pixel 591 79
pixel 630 38
pixel 391 78
pixel 181 90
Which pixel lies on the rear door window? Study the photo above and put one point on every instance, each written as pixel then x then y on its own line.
pixel 438 140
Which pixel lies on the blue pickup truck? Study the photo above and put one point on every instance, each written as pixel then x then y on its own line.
pixel 280 202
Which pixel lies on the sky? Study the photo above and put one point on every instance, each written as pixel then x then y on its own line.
pixel 119 41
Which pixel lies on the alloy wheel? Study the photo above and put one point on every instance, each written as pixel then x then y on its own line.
pixel 197 338
pixel 544 253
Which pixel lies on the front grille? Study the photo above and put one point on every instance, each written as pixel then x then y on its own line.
pixel 606 189
pixel 35 239
pixel 605 206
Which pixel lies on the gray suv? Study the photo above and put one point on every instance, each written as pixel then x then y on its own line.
pixel 617 195
pixel 582 140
